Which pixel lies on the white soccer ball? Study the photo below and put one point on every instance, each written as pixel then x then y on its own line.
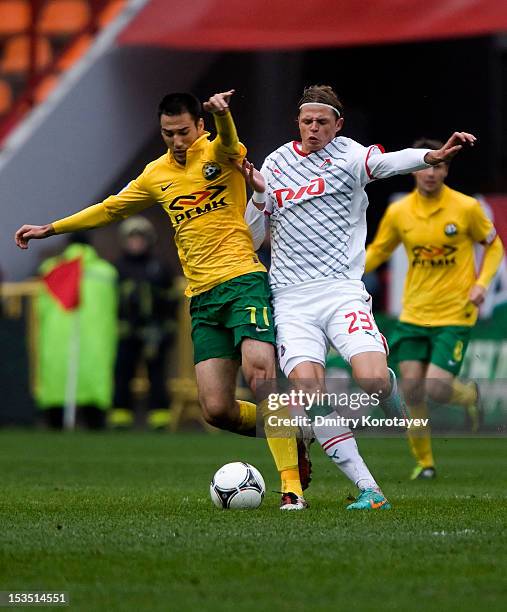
pixel 237 485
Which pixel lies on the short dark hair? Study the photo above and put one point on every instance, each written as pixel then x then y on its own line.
pixel 427 143
pixel 324 94
pixel 179 103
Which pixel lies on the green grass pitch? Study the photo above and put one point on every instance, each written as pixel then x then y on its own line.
pixel 124 522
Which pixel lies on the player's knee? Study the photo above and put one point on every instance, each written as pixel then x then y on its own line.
pixel 377 380
pixel 216 411
pixel 371 373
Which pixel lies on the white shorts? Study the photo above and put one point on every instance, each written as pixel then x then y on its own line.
pixel 311 316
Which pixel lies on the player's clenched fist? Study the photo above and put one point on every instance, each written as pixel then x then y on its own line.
pixel 219 103
pixel 32 232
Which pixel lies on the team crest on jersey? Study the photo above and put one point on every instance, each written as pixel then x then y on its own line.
pixel 451 229
pixel 211 170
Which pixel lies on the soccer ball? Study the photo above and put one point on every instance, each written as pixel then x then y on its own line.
pixel 237 485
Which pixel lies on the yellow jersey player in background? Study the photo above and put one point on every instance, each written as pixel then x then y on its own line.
pixel 198 185
pixel 438 228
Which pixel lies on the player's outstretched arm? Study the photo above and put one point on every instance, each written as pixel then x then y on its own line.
pixel 32 232
pixel 131 200
pixel 88 218
pixel 410 160
pixel 218 105
pixel 450 149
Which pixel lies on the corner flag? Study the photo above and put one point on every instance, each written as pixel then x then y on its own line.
pixel 63 283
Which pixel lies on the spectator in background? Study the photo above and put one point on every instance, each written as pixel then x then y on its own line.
pixel 438 228
pixel 76 313
pixel 147 312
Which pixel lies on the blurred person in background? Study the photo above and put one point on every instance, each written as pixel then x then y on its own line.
pixel 147 313
pixel 76 313
pixel 438 228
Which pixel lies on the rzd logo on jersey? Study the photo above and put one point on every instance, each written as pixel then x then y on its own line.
pixel 316 187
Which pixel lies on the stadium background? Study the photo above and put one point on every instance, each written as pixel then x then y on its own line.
pixel 401 71
pixel 124 521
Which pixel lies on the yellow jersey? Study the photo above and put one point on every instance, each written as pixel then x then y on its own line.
pixel 438 235
pixel 205 200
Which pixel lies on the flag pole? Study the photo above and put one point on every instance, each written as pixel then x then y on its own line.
pixel 69 411
pixel 64 284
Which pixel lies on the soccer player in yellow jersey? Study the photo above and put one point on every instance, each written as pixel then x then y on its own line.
pixel 438 228
pixel 198 184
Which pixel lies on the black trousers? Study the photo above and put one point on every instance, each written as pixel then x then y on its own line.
pixel 130 353
pixel 88 417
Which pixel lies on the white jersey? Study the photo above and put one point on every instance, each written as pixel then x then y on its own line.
pixel 317 207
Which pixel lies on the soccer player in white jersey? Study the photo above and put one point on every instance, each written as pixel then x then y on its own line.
pixel 313 192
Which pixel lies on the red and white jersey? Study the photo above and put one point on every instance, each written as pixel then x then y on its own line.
pixel 317 207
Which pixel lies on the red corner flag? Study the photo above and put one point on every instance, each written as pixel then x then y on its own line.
pixel 64 281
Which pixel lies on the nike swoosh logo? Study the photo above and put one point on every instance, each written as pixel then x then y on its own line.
pixel 379 504
pixel 258 329
pixel 166 187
